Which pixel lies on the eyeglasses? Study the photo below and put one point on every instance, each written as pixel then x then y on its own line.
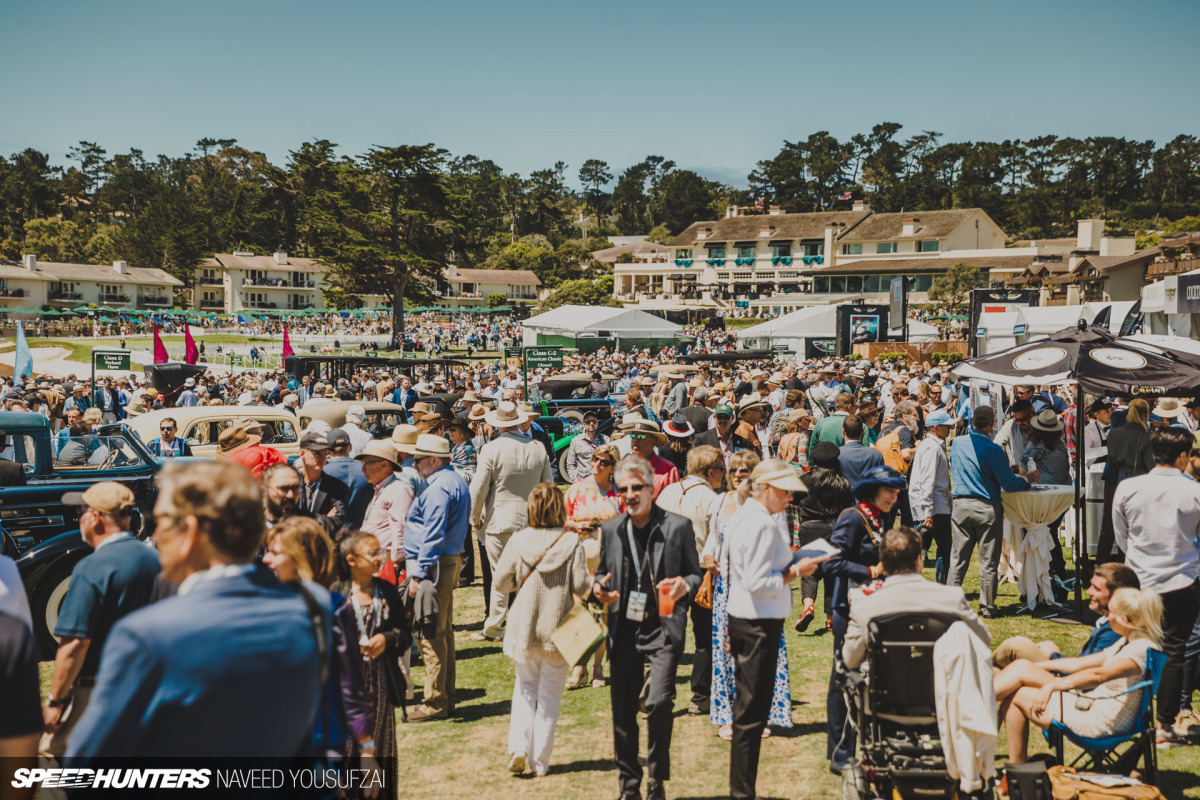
pixel 634 488
pixel 604 462
pixel 723 417
pixel 291 488
pixel 741 470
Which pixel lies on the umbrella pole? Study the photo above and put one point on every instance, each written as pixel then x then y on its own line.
pixel 1080 509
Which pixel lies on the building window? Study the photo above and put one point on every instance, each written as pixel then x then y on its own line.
pixel 871 283
pixel 743 276
pixel 746 252
pixel 852 249
pixel 789 275
pixel 716 252
pixel 814 249
pixel 854 283
pixel 929 247
pixel 683 252
pixel 885 247
pixel 923 283
pixel 837 284
pixel 821 284
pixel 781 251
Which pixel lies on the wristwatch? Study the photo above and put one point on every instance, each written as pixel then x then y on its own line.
pixel 59 703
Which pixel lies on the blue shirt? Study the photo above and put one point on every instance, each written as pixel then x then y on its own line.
pixel 115 580
pixel 437 523
pixel 979 468
pixel 349 472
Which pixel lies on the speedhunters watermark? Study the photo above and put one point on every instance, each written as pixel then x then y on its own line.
pixel 283 781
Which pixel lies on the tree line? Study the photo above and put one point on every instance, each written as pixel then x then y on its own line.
pixel 391 218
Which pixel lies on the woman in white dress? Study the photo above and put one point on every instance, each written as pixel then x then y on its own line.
pixel 1086 693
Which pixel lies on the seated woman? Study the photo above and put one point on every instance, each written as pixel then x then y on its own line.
pixel 1093 705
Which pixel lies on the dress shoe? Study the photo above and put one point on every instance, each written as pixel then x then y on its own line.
pixel 655 790
pixel 697 709
pixel 988 613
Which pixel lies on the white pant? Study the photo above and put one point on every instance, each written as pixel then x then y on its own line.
pixel 537 697
pixel 495 543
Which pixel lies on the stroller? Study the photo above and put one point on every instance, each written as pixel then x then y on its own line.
pixel 891 704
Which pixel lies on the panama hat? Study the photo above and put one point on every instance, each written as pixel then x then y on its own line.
pixel 1167 408
pixel 777 378
pixel 749 403
pixel 419 410
pixel 529 409
pixel 382 449
pixel 783 478
pixel 1048 421
pixel 235 438
pixel 506 414
pixel 430 445
pixel 404 437
pixel 643 426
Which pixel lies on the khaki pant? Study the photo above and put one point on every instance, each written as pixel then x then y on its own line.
pixel 438 652
pixel 1017 647
pixel 493 628
pixel 53 745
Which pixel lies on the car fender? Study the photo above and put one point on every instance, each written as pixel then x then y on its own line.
pixel 35 561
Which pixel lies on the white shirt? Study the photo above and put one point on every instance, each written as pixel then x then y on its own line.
pixel 929 481
pixel 1156 520
pixel 757 551
pixel 1095 441
pixel 359 438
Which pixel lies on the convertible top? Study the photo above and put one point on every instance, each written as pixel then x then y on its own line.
pixel 729 355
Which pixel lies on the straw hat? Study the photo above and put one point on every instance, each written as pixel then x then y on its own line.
pixel 506 415
pixel 430 445
pixel 477 412
pixel 1167 408
pixel 419 410
pixel 1049 421
pixel 530 409
pixel 749 403
pixel 641 425
pixel 404 437
pixel 381 448
pixel 777 379
pixel 469 396
pixel 783 478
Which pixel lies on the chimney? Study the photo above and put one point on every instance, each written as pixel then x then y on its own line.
pixel 832 230
pixel 702 233
pixel 766 230
pixel 776 211
pixel 910 226
pixel 29 261
pixel 120 267
pixel 731 212
pixel 1090 233
pixel 281 258
pixel 861 205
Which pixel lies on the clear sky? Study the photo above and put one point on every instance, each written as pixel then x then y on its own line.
pixel 714 86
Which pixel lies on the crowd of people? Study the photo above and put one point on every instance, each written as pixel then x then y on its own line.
pixel 692 502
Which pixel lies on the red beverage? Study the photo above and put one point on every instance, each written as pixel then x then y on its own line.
pixel 666 603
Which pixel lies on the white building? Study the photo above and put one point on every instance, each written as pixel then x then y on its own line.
pixel 472 287
pixel 34 284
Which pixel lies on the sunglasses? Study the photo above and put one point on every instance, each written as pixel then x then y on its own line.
pixel 638 436
pixel 604 462
pixel 741 470
pixel 725 417
pixel 632 488
pixel 167 428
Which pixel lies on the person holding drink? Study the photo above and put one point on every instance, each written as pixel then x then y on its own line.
pixel 647 575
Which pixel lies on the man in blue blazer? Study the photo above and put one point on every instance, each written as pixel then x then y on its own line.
pixel 228 666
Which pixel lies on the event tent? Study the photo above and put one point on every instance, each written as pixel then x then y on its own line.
pixel 995 331
pixel 1041 321
pixel 593 322
pixel 814 322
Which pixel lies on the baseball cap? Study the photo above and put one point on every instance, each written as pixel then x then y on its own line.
pixel 107 497
pixel 938 417
pixel 723 408
pixel 314 440
pixel 337 438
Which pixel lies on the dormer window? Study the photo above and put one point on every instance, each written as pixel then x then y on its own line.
pixel 885 247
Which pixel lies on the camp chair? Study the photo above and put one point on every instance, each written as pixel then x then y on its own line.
pixel 1102 754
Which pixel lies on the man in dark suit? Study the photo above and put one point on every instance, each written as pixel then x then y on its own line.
pixel 722 435
pixel 697 413
pixel 855 457
pixel 227 667
pixel 321 494
pixel 11 473
pixel 644 552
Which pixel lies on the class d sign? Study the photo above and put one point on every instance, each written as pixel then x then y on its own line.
pixel 544 357
pixel 117 362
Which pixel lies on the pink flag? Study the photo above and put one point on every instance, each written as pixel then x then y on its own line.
pixel 160 350
pixel 191 352
pixel 287 343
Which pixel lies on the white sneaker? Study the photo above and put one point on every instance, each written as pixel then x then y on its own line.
pixel 516 763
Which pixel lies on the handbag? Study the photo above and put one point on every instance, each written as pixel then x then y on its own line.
pixel 704 595
pixel 578 636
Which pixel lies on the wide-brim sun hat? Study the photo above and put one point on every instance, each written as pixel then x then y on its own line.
pixel 749 403
pixel 783 478
pixel 1167 408
pixel 645 427
pixel 404 437
pixel 679 427
pixel 876 478
pixel 1046 421
pixel 506 414
pixel 429 444
pixel 382 449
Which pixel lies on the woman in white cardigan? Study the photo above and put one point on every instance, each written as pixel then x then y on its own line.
pixel 546 566
pixel 757 563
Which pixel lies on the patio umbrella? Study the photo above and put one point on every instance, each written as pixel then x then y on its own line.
pixel 18 310
pixel 82 309
pixel 1099 363
pixel 1182 348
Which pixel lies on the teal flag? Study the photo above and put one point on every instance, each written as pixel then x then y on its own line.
pixel 23 366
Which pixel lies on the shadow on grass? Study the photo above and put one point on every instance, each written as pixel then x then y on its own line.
pixel 798 729
pixel 593 765
pixel 484 649
pixel 474 713
pixel 1169 779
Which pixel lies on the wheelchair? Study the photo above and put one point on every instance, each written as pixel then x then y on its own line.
pixel 890 702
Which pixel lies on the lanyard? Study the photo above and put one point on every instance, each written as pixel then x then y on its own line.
pixel 376 609
pixel 639 566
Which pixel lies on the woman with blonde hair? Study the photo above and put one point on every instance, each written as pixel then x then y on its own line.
pixel 545 565
pixel 1088 693
pixel 299 549
pixel 1129 450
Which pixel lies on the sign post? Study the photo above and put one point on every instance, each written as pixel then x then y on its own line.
pixel 539 357
pixel 115 360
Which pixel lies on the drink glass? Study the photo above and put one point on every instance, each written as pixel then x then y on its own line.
pixel 666 603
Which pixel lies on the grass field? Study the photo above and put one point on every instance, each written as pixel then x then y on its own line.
pixel 465 757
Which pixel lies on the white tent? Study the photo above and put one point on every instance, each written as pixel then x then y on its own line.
pixel 995 331
pixel 793 330
pixel 598 321
pixel 1041 321
pixel 1155 341
pixel 1120 310
pixel 917 331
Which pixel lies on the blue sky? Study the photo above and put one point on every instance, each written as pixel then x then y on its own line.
pixel 713 86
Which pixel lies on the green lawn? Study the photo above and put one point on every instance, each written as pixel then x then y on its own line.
pixel 465 757
pixel 81 349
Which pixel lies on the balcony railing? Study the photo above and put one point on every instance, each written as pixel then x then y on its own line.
pixel 209 303
pixel 12 292
pixel 211 281
pixel 154 300
pixel 278 283
pixel 114 298
pixel 66 295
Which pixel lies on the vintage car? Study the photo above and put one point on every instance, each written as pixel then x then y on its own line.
pixel 380 419
pixel 200 426
pixel 38 530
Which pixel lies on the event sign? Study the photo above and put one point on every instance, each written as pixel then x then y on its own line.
pixel 1187 294
pixel 512 357
pixel 117 362
pixel 860 324
pixel 544 357
pixel 898 300
pixel 985 301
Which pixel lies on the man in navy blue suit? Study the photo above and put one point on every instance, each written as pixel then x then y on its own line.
pixel 405 396
pixel 228 666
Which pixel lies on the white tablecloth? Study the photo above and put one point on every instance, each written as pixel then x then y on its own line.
pixel 1025 554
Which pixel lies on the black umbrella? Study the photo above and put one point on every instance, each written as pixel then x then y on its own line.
pixel 1093 358
pixel 1099 363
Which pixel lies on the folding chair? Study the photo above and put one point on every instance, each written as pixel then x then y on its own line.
pixel 1102 754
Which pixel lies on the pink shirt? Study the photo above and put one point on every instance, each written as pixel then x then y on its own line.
pixel 386 514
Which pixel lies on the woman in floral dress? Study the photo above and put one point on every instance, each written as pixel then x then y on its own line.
pixel 721 703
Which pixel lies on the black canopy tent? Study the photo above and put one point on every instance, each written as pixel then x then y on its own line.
pixel 728 355
pixel 1097 362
